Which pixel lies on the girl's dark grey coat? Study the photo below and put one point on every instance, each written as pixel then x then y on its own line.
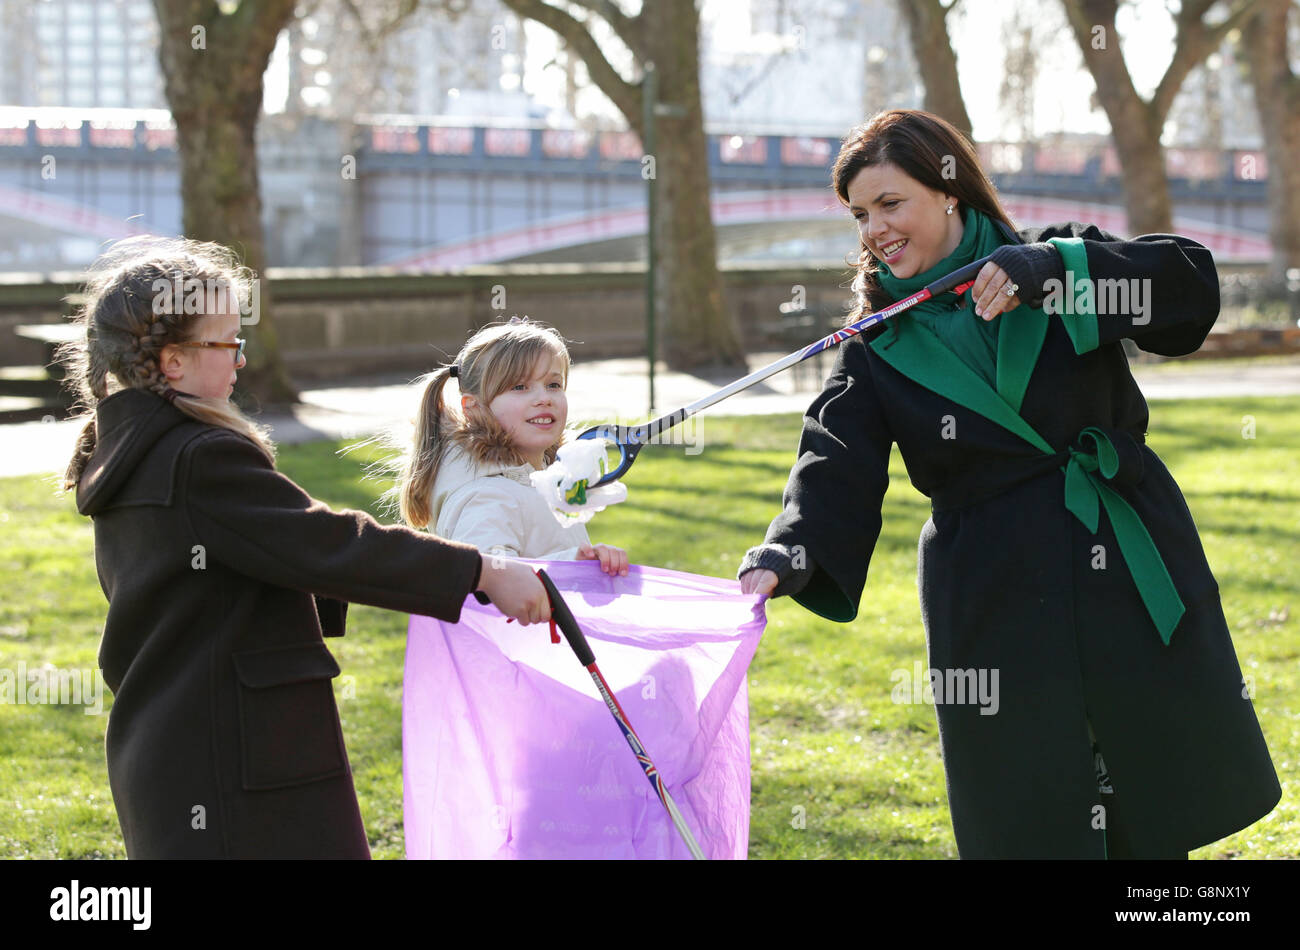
pixel 222 575
pixel 1010 580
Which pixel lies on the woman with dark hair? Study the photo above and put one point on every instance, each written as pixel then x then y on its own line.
pixel 1060 555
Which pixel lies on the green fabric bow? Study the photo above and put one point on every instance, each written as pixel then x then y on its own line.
pixel 1086 491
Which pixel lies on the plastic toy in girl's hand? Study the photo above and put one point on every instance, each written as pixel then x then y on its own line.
pixel 566 484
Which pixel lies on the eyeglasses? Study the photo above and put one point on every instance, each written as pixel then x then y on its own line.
pixel 237 345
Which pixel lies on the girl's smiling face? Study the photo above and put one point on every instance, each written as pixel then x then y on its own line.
pixel 901 221
pixel 534 411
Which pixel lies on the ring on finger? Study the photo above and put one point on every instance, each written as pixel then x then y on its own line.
pixel 1010 289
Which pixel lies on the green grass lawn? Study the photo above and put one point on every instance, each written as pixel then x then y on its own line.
pixel 827 742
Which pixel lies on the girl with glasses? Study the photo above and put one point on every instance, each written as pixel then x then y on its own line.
pixel 222 577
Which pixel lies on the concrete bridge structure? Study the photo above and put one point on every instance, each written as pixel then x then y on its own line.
pixel 420 196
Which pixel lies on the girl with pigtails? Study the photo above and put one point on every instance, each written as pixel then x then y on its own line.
pixel 1059 551
pixel 466 474
pixel 223 576
pixel 488 421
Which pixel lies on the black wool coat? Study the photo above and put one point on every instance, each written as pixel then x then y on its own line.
pixel 222 576
pixel 1010 580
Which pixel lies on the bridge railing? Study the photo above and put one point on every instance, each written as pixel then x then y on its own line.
pixel 731 154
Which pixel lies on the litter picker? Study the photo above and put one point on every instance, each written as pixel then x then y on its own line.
pixel 563 618
pixel 630 439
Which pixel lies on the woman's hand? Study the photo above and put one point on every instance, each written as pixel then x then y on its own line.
pixel 612 560
pixel 990 292
pixel 758 581
pixel 1028 269
pixel 515 590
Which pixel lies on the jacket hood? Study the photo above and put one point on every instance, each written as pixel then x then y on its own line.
pixel 128 424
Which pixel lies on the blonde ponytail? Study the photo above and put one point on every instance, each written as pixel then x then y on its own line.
pixel 420 468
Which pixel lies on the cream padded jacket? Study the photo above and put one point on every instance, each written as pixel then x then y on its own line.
pixel 495 508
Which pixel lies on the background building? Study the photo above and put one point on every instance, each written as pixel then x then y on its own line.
pixel 822 67
pixel 80 54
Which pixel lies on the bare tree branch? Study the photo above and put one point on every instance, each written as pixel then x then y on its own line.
pixel 250 33
pixel 931 45
pixel 626 96
pixel 630 29
pixel 1236 16
pixel 1194 41
pixel 374 37
pixel 1136 123
pixel 1114 81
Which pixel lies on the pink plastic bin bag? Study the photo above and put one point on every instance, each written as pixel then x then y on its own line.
pixel 509 752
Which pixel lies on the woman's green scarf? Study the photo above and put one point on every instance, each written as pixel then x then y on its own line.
pixel 952 319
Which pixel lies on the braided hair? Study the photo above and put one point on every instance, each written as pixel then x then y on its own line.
pixel 129 316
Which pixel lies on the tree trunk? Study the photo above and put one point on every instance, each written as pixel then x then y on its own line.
pixel 690 307
pixel 1134 124
pixel 222 201
pixel 1141 156
pixel 1277 97
pixel 935 60
pixel 212 65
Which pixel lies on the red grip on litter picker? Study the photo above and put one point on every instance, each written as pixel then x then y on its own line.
pixel 483 599
pixel 563 617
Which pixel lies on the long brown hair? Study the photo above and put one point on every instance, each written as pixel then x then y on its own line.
pixel 495 358
pixel 927 149
pixel 128 320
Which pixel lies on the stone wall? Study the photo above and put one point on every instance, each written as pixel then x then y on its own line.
pixel 347 322
pixel 337 323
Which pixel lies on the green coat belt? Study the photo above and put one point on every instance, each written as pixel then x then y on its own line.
pixel 1093 459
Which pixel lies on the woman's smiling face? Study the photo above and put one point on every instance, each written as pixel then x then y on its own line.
pixel 901 221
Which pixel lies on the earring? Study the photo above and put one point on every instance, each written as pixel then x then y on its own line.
pixel 949 211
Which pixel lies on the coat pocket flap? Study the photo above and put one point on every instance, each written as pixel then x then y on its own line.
pixel 278 666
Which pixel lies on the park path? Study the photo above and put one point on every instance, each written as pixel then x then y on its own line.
pixel 617 391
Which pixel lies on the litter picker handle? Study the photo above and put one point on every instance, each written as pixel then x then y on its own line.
pixel 960 276
pixel 564 619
